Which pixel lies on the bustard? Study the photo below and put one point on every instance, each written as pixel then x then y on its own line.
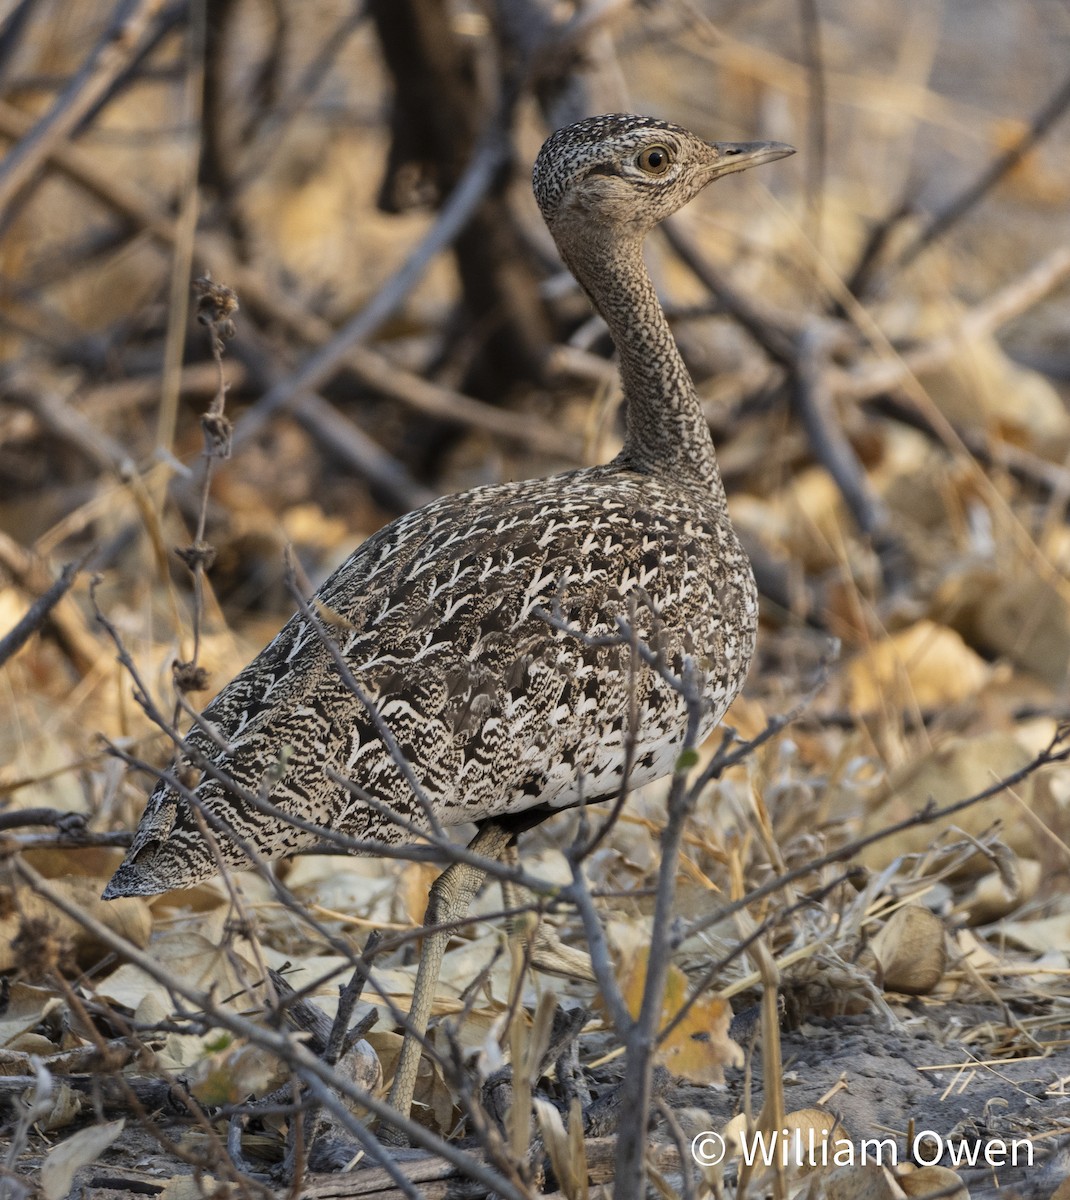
pixel 499 714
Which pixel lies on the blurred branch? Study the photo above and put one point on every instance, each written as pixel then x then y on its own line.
pixel 382 375
pixel 35 617
pixel 816 115
pixel 774 332
pixel 173 16
pixel 197 379
pixel 373 368
pixel 214 172
pixel 274 120
pixel 989 451
pixel 11 30
pixel 858 280
pixel 454 215
pixel 112 401
pixel 803 349
pixel 328 426
pixel 350 444
pixel 68 423
pixel 1041 123
pixel 103 64
pixel 442 85
pixel 83 168
pixel 31 574
pixel 192 112
pixel 813 404
pixel 870 379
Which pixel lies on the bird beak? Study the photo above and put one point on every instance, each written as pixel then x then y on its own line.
pixel 738 156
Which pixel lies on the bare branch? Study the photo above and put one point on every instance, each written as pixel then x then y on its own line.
pixel 455 213
pixel 102 66
pixel 1021 294
pixel 1054 108
pixel 40 610
pixel 1057 751
pixel 325 1082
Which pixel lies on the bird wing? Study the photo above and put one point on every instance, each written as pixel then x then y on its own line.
pixel 442 621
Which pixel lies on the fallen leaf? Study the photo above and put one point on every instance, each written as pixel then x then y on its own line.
pixel 130 918
pixel 995 895
pixel 981 387
pixel 79 1150
pixel 926 665
pixel 1014 615
pixel 932 1181
pixel 27 1007
pixel 912 951
pixel 699 1047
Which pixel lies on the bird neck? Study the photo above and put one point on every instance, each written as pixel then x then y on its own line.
pixel 666 431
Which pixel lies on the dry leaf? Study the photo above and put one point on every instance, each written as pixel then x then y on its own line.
pixel 805 519
pixel 699 1047
pixel 412 888
pixel 1016 615
pixel 308 525
pixel 66 1107
pixel 230 1075
pixel 925 665
pixel 980 387
pixel 571 1171
pixel 995 895
pixel 27 1007
pixel 808 1130
pixel 33 1043
pixel 869 1182
pixel 912 951
pixel 1041 935
pixel 79 1150
pixel 130 918
pixel 969 951
pixel 958 768
pixel 930 1181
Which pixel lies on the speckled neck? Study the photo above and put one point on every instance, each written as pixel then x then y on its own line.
pixel 666 431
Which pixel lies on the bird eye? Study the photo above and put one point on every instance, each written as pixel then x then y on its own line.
pixel 655 160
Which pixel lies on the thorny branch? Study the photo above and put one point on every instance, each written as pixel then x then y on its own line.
pixel 216 306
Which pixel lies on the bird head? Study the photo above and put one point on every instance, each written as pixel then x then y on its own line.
pixel 630 172
pixel 171 847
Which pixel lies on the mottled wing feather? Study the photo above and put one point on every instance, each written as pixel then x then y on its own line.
pixel 497 710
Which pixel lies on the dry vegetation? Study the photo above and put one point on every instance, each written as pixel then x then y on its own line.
pixel 878 330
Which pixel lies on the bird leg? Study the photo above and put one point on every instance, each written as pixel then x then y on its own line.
pixel 448 902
